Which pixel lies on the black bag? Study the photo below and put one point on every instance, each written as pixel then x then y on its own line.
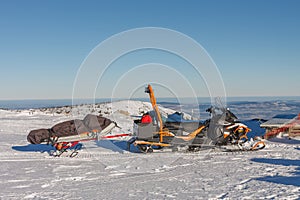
pixel 93 122
pixel 38 136
pixel 68 128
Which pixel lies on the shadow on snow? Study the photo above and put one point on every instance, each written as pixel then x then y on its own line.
pixel 34 148
pixel 294 179
pixel 113 145
pixel 118 146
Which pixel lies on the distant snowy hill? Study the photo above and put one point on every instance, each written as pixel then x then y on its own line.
pixel 127 107
pixel 122 112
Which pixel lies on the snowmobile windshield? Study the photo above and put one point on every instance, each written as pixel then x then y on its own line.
pixel 230 116
pixel 226 114
pixel 221 115
pixel 214 111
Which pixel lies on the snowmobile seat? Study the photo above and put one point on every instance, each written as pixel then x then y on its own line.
pixel 144 131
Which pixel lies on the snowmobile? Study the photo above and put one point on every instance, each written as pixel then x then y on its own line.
pixel 156 135
pixel 220 131
pixel 225 131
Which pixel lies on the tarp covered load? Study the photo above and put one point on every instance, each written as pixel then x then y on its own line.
pixel 177 124
pixel 72 127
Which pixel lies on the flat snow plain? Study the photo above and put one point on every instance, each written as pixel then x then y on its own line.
pixel 104 170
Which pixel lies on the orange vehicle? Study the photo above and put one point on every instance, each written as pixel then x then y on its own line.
pixel 157 135
pixel 222 131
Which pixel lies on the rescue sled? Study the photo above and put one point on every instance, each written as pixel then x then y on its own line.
pixel 68 135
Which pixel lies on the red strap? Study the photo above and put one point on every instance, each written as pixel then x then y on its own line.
pixel 114 136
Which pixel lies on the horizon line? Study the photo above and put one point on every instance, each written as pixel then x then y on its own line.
pixel 136 98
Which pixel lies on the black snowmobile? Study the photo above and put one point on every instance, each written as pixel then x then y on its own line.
pixel 221 130
pixel 224 130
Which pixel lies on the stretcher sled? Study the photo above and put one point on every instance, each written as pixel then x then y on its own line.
pixel 68 134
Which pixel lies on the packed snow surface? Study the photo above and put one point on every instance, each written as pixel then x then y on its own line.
pixel 105 170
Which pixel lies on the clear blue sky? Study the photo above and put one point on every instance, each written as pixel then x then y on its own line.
pixel 254 43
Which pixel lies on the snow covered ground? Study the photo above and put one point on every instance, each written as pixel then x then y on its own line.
pixel 103 171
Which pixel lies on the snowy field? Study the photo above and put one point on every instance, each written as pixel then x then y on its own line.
pixel 104 170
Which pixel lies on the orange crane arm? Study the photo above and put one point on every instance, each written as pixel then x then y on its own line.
pixel 155 107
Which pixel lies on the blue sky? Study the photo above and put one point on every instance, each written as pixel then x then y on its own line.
pixel 255 44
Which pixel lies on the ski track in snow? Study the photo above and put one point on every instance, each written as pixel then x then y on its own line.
pixel 101 173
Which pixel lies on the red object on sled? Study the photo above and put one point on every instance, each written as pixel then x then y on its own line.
pixel 65 145
pixel 146 119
